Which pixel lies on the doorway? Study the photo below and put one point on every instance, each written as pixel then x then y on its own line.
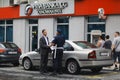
pixel 33 37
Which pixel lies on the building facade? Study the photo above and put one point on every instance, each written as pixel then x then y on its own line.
pixel 22 23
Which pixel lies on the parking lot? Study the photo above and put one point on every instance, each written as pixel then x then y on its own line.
pixel 8 72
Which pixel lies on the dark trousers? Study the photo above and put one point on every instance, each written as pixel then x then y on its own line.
pixel 115 56
pixel 43 62
pixel 57 62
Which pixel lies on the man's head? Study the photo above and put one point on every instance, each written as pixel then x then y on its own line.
pixel 107 37
pixel 44 32
pixel 116 34
pixel 58 31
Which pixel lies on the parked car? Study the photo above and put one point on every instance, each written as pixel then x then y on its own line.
pixel 9 53
pixel 77 55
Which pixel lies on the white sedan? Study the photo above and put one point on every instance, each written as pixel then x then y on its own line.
pixel 77 55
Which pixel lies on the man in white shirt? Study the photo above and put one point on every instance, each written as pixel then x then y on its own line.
pixel 116 48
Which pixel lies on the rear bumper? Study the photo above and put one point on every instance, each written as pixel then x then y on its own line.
pixel 100 63
pixel 9 58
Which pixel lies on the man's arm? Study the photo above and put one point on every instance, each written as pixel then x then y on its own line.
pixel 113 44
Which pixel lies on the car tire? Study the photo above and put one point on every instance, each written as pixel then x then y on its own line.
pixel 96 70
pixel 72 67
pixel 27 64
pixel 16 64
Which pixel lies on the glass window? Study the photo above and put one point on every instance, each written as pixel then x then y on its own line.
pixel 6 30
pixel 62 20
pixel 85 44
pixel 2 21
pixel 2 46
pixel 65 30
pixel 94 23
pixel 96 27
pixel 68 47
pixel 2 33
pixel 10 45
pixel 33 21
pixel 95 19
pixel 63 24
pixel 9 34
pixel 9 21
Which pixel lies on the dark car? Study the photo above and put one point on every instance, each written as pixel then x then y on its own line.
pixel 9 53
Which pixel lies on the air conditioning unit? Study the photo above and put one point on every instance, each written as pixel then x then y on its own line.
pixel 14 2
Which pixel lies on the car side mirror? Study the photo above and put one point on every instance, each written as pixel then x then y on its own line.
pixel 37 50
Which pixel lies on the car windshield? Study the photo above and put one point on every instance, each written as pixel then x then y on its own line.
pixel 84 44
pixel 9 45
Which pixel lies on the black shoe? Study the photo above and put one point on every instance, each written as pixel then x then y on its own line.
pixel 60 72
pixel 115 69
pixel 53 74
pixel 42 73
pixel 45 71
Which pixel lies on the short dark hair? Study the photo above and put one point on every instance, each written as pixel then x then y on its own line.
pixel 107 37
pixel 117 33
pixel 43 30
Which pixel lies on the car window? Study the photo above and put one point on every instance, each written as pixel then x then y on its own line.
pixel 2 46
pixel 9 45
pixel 68 47
pixel 85 45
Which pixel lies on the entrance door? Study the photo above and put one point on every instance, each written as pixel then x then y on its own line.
pixel 33 37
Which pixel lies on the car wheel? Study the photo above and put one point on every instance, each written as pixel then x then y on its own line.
pixel 16 64
pixel 72 67
pixel 96 70
pixel 27 64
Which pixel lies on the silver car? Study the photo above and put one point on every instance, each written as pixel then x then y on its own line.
pixel 77 55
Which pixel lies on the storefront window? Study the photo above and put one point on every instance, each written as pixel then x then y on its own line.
pixel 63 24
pixel 101 27
pixel 2 33
pixel 9 33
pixel 33 21
pixel 95 27
pixel 2 21
pixel 6 30
pixel 95 19
pixel 9 21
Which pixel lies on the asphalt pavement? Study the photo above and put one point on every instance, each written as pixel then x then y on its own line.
pixel 9 72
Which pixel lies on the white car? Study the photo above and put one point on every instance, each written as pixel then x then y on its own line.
pixel 77 55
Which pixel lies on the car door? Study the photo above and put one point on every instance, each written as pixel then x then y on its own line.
pixel 36 58
pixel 68 52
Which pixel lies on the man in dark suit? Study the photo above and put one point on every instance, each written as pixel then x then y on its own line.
pixel 44 50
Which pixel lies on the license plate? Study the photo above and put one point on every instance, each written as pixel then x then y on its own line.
pixel 104 54
pixel 12 52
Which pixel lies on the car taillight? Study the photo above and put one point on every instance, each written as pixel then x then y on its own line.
pixel 92 55
pixel 19 50
pixel 2 50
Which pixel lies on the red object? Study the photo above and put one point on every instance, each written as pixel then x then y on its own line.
pixel 82 8
pixel 19 50
pixel 92 55
pixel 2 50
